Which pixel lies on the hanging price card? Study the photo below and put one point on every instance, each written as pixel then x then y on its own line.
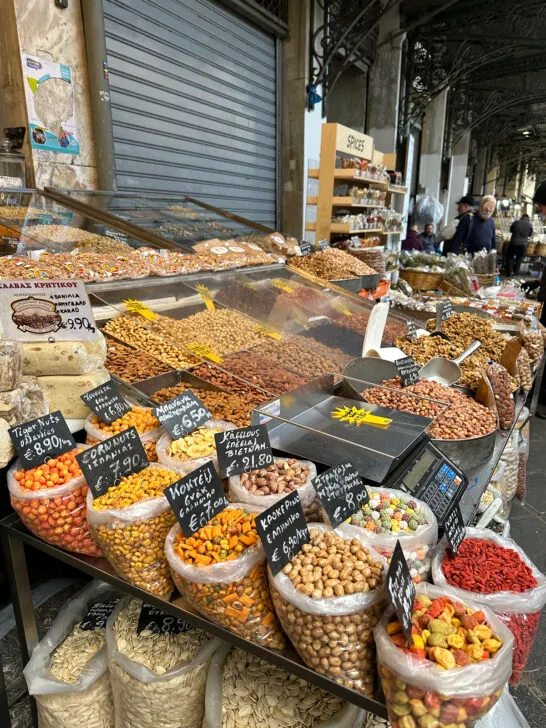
pixel 306 248
pixel 182 414
pixel 341 491
pixel 41 439
pixel 157 621
pixel 446 310
pixel 412 330
pixel 283 531
pixel 106 402
pixel 454 529
pixel 408 371
pixel 97 615
pixel 401 589
pixel 243 450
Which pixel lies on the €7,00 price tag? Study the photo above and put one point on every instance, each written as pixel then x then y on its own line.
pixel 341 491
pixel 38 440
pixel 182 414
pixel 401 589
pixel 243 450
pixel 283 530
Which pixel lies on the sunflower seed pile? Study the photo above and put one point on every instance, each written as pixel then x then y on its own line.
pixel 73 654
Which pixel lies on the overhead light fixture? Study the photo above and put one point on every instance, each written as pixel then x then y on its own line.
pixel 526 132
pixel 505 203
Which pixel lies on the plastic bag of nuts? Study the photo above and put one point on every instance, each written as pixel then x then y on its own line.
pixel 51 502
pixel 158 680
pixel 263 488
pixel 534 344
pixel 329 599
pixel 502 389
pixel 190 452
pixel 146 423
pixel 423 693
pixel 525 375
pixel 244 691
pixel 231 589
pixel 68 671
pixel 130 523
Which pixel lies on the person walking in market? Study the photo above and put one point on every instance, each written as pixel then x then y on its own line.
pixel 465 208
pixel 477 232
pixel 428 238
pixel 522 231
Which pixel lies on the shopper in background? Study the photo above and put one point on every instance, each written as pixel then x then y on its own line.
pixel 413 241
pixel 465 208
pixel 477 232
pixel 540 198
pixel 428 238
pixel 521 231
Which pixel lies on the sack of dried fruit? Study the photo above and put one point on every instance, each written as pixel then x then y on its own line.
pixel 391 516
pixel 51 502
pixel 190 452
pixel 458 664
pixel 146 423
pixel 244 691
pixel 130 523
pixel 221 571
pixel 495 572
pixel 68 671
pixel 158 679
pixel 263 488
pixel 328 599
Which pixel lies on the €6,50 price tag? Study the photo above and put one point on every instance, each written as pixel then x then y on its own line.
pixel 182 414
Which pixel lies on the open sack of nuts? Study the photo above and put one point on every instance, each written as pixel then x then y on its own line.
pixel 130 523
pixel 188 453
pixel 221 571
pixel 158 680
pixel 244 691
pixel 496 573
pixel 263 488
pixel 328 599
pixel 391 516
pixel 456 669
pixel 142 418
pixel 51 502
pixel 502 389
pixel 68 671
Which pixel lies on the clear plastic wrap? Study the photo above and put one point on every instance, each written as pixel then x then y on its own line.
pixel 416 545
pixel 505 714
pixel 415 687
pixel 13 406
pixel 233 594
pixel 34 402
pixel 508 483
pixel 63 357
pixel 57 514
pixel 333 635
pixel 520 611
pixel 187 466
pixel 87 702
pixel 502 389
pixel 240 494
pixel 11 366
pixel 523 457
pixel 133 538
pixel 165 686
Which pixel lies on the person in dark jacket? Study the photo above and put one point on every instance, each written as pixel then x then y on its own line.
pixel 477 232
pixel 540 198
pixel 428 239
pixel 413 241
pixel 465 207
pixel 521 231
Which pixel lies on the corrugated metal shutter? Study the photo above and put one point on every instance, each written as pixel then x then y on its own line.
pixel 193 94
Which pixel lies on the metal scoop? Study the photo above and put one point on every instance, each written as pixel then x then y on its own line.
pixel 445 371
pixel 438 330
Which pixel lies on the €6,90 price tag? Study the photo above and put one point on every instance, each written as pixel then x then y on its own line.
pixel 283 531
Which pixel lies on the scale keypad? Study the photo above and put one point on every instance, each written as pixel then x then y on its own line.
pixel 440 491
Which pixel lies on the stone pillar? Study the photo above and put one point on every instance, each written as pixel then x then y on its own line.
pixel 491 182
pixel 479 174
pixel 347 100
pixel 430 169
pixel 384 85
pixel 457 177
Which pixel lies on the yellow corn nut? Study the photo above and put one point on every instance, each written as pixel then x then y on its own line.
pixel 483 632
pixel 472 637
pixel 401 710
pixel 399 684
pixel 492 645
pixel 475 652
pixel 401 697
pixel 443 657
pixel 418 708
pixel 437 640
pixel 455 622
pixel 428 721
pixel 425 634
pixel 407 722
pixel 438 626
pixel 425 600
pixel 417 641
pixel 394 628
pixel 462 714
pixel 455 640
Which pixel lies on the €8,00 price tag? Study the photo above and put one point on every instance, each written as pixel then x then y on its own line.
pixel 242 450
pixel 106 402
pixel 401 589
pixel 182 414
pixel 39 440
pixel 283 530
pixel 341 491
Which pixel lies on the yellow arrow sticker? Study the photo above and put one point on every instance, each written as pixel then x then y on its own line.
pixel 205 352
pixel 283 285
pixel 266 331
pixel 359 416
pixel 134 306
pixel 206 295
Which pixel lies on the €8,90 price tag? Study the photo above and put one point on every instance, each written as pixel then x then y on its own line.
pixel 39 440
pixel 159 622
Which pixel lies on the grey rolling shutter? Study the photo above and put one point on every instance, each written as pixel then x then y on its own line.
pixel 193 95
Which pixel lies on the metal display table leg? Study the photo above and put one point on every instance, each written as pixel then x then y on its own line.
pixel 4 707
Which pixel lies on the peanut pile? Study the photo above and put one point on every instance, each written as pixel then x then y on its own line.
pixel 332 264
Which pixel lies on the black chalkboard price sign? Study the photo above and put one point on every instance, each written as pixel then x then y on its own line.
pixel 341 491
pixel 157 621
pixel 283 531
pixel 106 402
pixel 408 371
pixel 97 615
pixel 412 330
pixel 243 450
pixel 196 498
pixel 401 589
pixel 182 414
pixel 306 248
pixel 41 439
pixel 454 529
pixel 324 244
pixel 105 464
pixel 446 310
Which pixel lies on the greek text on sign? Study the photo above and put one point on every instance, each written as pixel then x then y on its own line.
pixel 341 491
pixel 454 529
pixel 106 402
pixel 408 371
pixel 283 531
pixel 97 615
pixel 182 414
pixel 243 450
pixel 38 440
pixel 46 310
pixel 446 308
pixel 401 589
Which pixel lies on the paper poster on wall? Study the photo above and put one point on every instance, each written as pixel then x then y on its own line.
pixel 49 93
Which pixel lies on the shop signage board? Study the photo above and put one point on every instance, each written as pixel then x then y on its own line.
pixel 157 621
pixel 182 414
pixel 242 450
pixel 454 529
pixel 341 491
pixel 106 402
pixel 408 371
pixel 50 310
pixel 39 440
pixel 196 498
pixel 105 464
pixel 401 589
pixel 323 244
pixel 283 531
pixel 354 142
pixel 97 615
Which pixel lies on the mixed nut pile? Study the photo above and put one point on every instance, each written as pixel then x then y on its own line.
pixel 281 478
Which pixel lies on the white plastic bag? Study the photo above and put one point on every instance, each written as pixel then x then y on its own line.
pixel 475 687
pixel 505 714
pixel 185 467
pixel 428 209
pixel 72 705
pixel 238 493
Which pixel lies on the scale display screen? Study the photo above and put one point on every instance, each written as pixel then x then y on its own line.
pixel 413 478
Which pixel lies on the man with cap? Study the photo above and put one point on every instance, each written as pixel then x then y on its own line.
pixel 465 206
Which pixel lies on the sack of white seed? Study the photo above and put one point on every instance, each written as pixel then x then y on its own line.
pixel 244 691
pixel 68 670
pixel 158 679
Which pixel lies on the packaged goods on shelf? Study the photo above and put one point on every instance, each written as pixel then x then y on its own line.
pixel 372 256
pixel 391 516
pixel 227 584
pixel 64 392
pixel 146 423
pixel 130 523
pixel 496 573
pixel 7 451
pixel 332 264
pixel 525 374
pixel 462 674
pixel 523 457
pixel 263 488
pixel 243 690
pixel 63 357
pixel 158 679
pixel 68 670
pixel 331 627
pixel 132 365
pixel 50 500
pixel 186 454
pixel 11 365
pixel 533 342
